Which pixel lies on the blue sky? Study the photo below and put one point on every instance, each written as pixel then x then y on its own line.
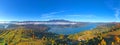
pixel 73 10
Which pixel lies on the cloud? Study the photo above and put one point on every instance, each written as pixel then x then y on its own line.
pixel 117 13
pixel 56 15
pixel 114 5
pixel 83 16
pixel 50 15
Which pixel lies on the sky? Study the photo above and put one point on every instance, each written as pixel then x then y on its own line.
pixel 73 10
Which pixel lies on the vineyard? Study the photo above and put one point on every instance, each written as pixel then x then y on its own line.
pixel 17 37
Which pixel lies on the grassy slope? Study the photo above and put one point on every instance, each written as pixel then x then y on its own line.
pixel 16 37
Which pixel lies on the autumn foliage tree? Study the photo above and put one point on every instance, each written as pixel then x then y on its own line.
pixel 103 42
pixel 117 39
pixel 112 43
pixel 61 36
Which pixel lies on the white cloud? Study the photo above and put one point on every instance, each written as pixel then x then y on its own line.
pixel 84 16
pixel 117 13
pixel 50 15
pixel 114 5
pixel 56 15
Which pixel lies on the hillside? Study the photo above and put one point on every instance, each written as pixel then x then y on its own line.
pixel 104 34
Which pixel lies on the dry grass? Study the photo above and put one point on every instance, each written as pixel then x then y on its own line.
pixel 109 34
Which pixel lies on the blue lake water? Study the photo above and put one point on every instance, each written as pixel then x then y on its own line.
pixel 70 30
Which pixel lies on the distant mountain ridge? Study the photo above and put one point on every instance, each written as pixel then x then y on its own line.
pixel 61 22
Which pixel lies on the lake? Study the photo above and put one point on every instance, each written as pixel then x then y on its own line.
pixel 71 30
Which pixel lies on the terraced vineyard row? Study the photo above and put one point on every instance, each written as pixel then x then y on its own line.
pixel 9 36
pixel 17 37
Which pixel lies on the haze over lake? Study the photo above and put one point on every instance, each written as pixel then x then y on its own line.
pixel 71 30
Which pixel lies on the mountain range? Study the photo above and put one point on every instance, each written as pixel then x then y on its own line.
pixel 56 22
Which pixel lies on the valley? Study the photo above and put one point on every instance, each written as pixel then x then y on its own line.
pixel 52 34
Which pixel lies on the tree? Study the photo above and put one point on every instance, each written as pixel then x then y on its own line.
pixel 99 44
pixel 53 42
pixel 33 35
pixel 61 36
pixel 112 43
pixel 103 42
pixel 116 38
